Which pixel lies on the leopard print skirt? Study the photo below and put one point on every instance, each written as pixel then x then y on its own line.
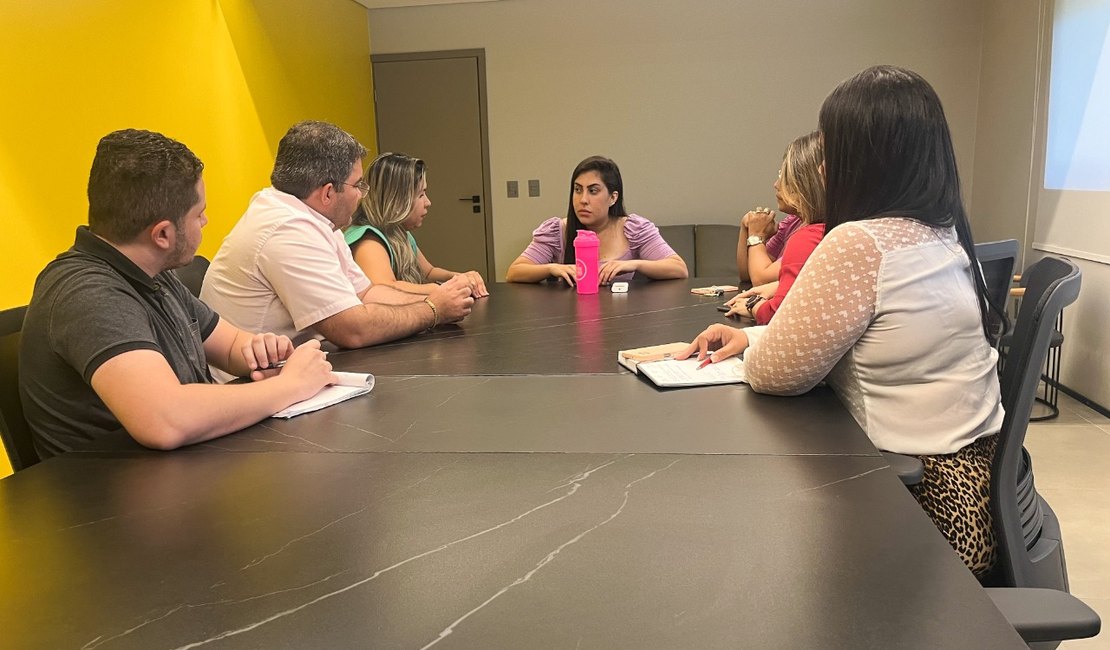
pixel 955 493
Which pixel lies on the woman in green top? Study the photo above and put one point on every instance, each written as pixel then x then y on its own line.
pixel 380 236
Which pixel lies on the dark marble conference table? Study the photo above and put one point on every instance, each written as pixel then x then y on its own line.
pixel 482 499
pixel 547 329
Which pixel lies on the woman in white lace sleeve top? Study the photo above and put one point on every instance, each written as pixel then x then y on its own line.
pixel 891 309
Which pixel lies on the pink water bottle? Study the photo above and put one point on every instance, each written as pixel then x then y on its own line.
pixel 586 261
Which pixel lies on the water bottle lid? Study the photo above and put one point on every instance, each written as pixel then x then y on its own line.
pixel 586 236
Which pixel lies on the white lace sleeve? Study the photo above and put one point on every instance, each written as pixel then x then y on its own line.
pixel 827 310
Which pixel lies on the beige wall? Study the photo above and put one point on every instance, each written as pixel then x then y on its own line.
pixel 1002 204
pixel 1008 176
pixel 1085 365
pixel 695 100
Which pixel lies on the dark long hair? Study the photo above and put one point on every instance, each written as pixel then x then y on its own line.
pixel 888 152
pixel 611 176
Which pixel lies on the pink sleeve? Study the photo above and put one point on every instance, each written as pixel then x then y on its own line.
pixel 547 243
pixel 776 245
pixel 798 249
pixel 644 240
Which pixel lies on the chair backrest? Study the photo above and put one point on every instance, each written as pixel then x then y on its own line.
pixel 1051 284
pixel 192 274
pixel 997 259
pixel 681 239
pixel 715 250
pixel 13 426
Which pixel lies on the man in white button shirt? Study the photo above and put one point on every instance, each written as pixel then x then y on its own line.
pixel 285 268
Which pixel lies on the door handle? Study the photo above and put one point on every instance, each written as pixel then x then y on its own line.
pixel 473 199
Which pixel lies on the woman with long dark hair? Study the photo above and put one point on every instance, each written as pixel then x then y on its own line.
pixel 891 308
pixel 630 244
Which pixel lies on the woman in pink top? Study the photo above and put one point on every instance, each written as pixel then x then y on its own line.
pixel 801 190
pixel 630 244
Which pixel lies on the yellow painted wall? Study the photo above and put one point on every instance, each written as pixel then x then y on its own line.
pixel 226 77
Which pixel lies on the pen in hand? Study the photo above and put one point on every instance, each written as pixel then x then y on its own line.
pixel 275 366
pixel 708 360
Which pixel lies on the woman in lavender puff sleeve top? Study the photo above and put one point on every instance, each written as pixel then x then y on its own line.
pixel 630 244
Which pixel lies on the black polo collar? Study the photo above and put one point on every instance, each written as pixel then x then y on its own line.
pixel 88 243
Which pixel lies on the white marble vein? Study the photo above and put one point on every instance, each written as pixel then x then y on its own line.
pixel 91 523
pixel 842 480
pixel 549 557
pixel 101 640
pixel 463 390
pixel 405 433
pixel 267 441
pixel 126 514
pixel 215 446
pixel 584 474
pixel 287 435
pixel 260 560
pixel 351 426
pixel 269 619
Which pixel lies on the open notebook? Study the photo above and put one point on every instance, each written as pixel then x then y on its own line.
pixel 671 373
pixel 351 384
pixel 658 364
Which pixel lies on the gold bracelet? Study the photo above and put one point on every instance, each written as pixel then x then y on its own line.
pixel 435 312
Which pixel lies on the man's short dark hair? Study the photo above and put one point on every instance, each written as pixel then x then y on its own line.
pixel 139 178
pixel 313 154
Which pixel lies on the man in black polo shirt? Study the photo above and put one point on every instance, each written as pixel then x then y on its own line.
pixel 113 342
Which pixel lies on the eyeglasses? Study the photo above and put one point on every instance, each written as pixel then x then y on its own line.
pixel 362 186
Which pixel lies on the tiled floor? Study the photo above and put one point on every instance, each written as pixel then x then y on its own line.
pixel 1071 463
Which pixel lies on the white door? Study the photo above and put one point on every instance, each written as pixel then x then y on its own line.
pixel 431 106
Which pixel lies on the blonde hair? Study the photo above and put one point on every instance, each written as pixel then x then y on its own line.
pixel 394 180
pixel 802 183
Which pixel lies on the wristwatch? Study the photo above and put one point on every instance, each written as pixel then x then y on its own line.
pixel 754 239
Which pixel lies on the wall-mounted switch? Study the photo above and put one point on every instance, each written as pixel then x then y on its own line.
pixel 534 187
pixel 511 189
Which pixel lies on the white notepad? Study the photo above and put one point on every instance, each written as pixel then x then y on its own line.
pixel 351 384
pixel 671 373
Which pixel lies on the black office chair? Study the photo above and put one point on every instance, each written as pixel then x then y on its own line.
pixel 13 427
pixel 681 239
pixel 1049 399
pixel 1032 555
pixel 1031 552
pixel 1030 576
pixel 715 251
pixel 192 274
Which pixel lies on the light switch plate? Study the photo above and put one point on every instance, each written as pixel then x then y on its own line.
pixel 534 187
pixel 512 190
